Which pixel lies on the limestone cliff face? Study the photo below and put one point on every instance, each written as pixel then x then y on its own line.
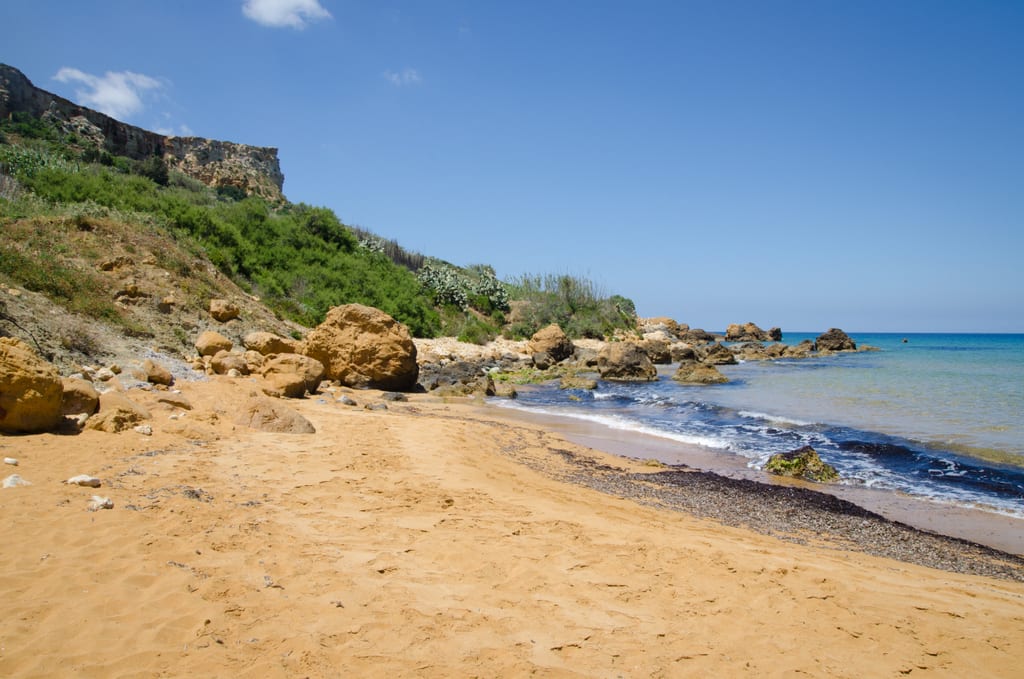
pixel 254 169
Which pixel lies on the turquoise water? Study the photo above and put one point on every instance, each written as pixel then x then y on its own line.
pixel 964 392
pixel 938 416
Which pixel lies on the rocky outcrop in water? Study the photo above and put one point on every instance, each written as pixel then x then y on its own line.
pixel 252 169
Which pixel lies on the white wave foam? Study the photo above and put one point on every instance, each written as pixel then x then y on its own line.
pixel 754 415
pixel 625 424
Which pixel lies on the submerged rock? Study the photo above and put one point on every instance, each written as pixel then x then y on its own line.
pixel 692 372
pixel 802 463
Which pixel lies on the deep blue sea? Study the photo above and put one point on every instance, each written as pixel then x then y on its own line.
pixel 938 416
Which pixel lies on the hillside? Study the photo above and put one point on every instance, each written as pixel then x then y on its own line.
pixel 113 240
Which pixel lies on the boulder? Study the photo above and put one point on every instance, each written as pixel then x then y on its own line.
pixel 223 362
pixel 31 391
pixel 223 310
pixel 834 340
pixel 692 372
pixel 79 397
pixel 657 350
pixel 696 336
pixel 775 334
pixel 681 351
pixel 748 332
pixel 656 324
pixel 803 463
pixel 117 413
pixel 209 343
pixel 268 343
pixel 268 415
pixel 552 341
pixel 364 347
pixel 577 382
pixel 718 354
pixel 457 378
pixel 802 350
pixel 625 362
pixel 157 374
pixel 291 369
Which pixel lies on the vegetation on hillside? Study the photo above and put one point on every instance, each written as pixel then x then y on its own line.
pixel 299 259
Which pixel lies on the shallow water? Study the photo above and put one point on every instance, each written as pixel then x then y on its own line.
pixel 937 417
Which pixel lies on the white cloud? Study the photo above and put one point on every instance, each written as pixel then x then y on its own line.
pixel 284 13
pixel 119 94
pixel 409 76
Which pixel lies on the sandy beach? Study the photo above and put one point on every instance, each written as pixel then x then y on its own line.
pixel 440 539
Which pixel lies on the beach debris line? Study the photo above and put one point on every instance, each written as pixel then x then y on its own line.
pixel 802 463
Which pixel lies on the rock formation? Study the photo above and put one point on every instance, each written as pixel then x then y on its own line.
pixel 31 391
pixel 834 340
pixel 748 332
pixel 803 463
pixel 364 347
pixel 692 372
pixel 552 341
pixel 625 362
pixel 252 169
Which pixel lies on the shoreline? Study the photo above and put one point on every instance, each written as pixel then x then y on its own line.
pixel 987 529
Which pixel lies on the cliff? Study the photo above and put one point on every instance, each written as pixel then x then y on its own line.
pixel 254 169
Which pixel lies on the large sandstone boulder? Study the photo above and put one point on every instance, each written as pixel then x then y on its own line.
pixel 364 347
pixel 79 397
pixel 223 362
pixel 209 343
pixel 552 341
pixel 803 463
pixel 31 391
pixel 293 374
pixel 835 340
pixel 157 374
pixel 625 362
pixel 268 415
pixel 692 372
pixel 223 310
pixel 117 413
pixel 268 343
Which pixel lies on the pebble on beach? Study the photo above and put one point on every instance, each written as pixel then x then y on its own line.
pixel 13 481
pixel 99 502
pixel 84 480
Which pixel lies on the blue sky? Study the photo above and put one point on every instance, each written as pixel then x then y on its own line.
pixel 801 164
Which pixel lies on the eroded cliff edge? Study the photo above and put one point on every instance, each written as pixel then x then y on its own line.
pixel 253 169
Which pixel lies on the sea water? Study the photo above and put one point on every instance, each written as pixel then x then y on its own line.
pixel 934 416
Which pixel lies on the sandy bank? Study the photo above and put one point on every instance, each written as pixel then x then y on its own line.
pixel 436 539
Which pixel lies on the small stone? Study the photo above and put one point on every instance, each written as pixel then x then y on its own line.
pixel 84 480
pixel 394 396
pixel 376 406
pixel 13 481
pixel 99 502
pixel 346 401
pixel 104 374
pixel 11 461
pixel 144 429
